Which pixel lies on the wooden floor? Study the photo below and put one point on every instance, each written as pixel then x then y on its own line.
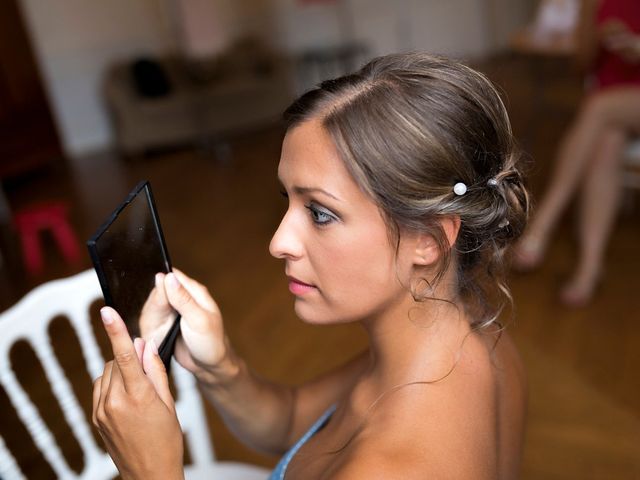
pixel 584 415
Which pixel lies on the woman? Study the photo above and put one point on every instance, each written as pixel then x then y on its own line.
pixel 591 153
pixel 403 195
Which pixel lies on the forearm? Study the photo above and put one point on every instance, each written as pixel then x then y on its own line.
pixel 257 411
pixel 272 417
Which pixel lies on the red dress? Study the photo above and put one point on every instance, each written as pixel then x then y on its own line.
pixel 610 69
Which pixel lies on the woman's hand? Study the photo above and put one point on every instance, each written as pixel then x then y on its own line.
pixel 157 315
pixel 202 348
pixel 133 408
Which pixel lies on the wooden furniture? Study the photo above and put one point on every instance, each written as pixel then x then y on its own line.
pixel 532 41
pixel 29 320
pixel 28 137
pixel 547 50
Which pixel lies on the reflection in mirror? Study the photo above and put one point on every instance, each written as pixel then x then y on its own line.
pixel 156 316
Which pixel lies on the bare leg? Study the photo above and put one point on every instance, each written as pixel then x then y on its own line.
pixel 574 154
pixel 598 206
pixel 616 108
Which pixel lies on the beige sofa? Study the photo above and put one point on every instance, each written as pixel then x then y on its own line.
pixel 245 88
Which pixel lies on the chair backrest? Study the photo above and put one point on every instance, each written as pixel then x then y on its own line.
pixel 29 320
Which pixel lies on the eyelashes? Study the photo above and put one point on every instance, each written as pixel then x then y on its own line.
pixel 319 215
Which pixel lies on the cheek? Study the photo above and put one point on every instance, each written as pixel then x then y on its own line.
pixel 359 270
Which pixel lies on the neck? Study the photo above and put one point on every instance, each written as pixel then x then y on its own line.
pixel 411 342
pixel 417 341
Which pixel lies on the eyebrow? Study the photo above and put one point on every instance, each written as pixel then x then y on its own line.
pixel 307 190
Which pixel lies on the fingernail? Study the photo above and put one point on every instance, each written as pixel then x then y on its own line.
pixel 172 280
pixel 152 345
pixel 107 318
pixel 158 280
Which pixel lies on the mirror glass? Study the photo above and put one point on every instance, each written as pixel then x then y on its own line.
pixel 128 251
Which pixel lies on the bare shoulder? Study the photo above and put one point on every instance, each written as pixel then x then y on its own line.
pixel 401 465
pixel 314 397
pixel 446 429
pixel 423 448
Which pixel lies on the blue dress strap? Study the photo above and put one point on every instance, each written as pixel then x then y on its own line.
pixel 281 468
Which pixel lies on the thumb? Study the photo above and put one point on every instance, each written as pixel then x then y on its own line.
pixel 154 368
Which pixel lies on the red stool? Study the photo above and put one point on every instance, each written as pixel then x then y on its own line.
pixel 53 217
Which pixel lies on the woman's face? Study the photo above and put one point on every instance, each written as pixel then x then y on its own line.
pixel 339 261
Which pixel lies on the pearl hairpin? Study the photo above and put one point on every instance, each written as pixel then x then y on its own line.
pixel 459 188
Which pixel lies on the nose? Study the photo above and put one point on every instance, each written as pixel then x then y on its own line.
pixel 286 242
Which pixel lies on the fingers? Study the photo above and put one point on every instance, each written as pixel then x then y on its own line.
pixel 139 345
pixel 100 389
pixel 156 313
pixel 161 293
pixel 96 400
pixel 105 383
pixel 124 353
pixel 154 368
pixel 106 380
pixel 198 291
pixel 201 324
pixel 158 297
pixel 182 300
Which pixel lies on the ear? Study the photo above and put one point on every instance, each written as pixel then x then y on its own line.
pixel 451 227
pixel 427 251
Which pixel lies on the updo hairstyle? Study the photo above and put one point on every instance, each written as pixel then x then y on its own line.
pixel 411 126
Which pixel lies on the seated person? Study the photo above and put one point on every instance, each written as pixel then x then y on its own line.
pixel 403 194
pixel 591 153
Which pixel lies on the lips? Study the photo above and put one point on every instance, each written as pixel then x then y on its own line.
pixel 298 287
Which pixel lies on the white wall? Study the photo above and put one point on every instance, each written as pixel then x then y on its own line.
pixel 205 27
pixel 75 40
pixel 505 16
pixel 461 28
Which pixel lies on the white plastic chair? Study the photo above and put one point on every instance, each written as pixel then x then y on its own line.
pixel 28 320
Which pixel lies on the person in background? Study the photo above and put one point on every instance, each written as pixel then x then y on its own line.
pixel 404 194
pixel 590 155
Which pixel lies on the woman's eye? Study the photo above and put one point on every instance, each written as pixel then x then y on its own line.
pixel 284 193
pixel 319 216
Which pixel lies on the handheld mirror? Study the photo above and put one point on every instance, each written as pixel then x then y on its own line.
pixel 127 251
